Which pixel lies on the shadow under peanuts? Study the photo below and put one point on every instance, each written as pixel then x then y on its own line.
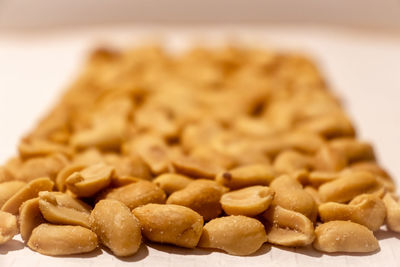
pixel 142 253
pixel 307 251
pixel 91 254
pixel 12 245
pixel 386 234
pixel 178 250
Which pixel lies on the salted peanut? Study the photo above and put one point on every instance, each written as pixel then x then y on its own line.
pixel 60 208
pixel 116 227
pixel 314 193
pixel 366 209
pixel 61 240
pixel 353 149
pixel 88 157
pixel 131 165
pixel 29 217
pixel 136 194
pixel 202 196
pixel 289 194
pixel 306 142
pixel 344 236
pixel 288 228
pixel 90 180
pixel 195 167
pixel 290 161
pixel 247 175
pixel 153 151
pixel 237 235
pixel 392 212
pixel 329 125
pixel 248 201
pixel 170 224
pixel 28 191
pixel 30 148
pixel 37 167
pixel 5 175
pixel 107 133
pixel 379 172
pixel 348 186
pixel 329 160
pixel 8 226
pixel 65 173
pixel 8 189
pixel 171 182
pixel 119 181
pixel 317 178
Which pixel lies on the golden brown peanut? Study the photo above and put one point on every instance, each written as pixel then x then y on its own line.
pixel 171 182
pixel 329 160
pixel 392 212
pixel 288 228
pixel 237 235
pixel 60 240
pixel 116 226
pixel 5 175
pixel 195 167
pixel 8 226
pixel 306 142
pixel 28 191
pixel 119 181
pixel 131 165
pixel 136 194
pixel 8 189
pixel 248 201
pixel 90 180
pixel 172 224
pixel 65 173
pixel 202 196
pixel 348 186
pixel 29 217
pixel 60 208
pixel 290 161
pixel 247 175
pixel 314 193
pixel 41 147
pixel 289 194
pixel 317 178
pixel 366 209
pixel 378 171
pixel 344 236
pixel 352 149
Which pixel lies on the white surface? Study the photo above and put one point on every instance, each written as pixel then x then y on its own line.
pixel 363 69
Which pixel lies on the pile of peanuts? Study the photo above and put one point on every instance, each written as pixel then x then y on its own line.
pixel 218 148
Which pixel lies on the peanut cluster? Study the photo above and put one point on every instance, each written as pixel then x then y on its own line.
pixel 223 149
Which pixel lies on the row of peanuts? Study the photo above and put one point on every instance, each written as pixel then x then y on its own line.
pixel 217 148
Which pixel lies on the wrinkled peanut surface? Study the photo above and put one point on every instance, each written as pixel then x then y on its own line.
pixel 344 236
pixel 116 227
pixel 170 224
pixel 237 235
pixel 58 240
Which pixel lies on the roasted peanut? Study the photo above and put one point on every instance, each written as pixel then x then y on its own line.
pixel 314 193
pixel 41 147
pixel 28 191
pixel 288 228
pixel 348 186
pixel 116 226
pixel 318 178
pixel 59 208
pixel 8 189
pixel 136 194
pixel 59 240
pixel 131 165
pixel 202 196
pixel 393 212
pixel 365 209
pixel 352 150
pixel 237 235
pixel 290 161
pixel 170 224
pixel 247 175
pixel 171 182
pixel 344 236
pixel 5 175
pixel 29 217
pixel 375 169
pixel 65 173
pixel 248 201
pixel 90 180
pixel 8 226
pixel 329 160
pixel 289 194
pixel 195 167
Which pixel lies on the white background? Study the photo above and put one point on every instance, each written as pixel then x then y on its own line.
pixel 362 68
